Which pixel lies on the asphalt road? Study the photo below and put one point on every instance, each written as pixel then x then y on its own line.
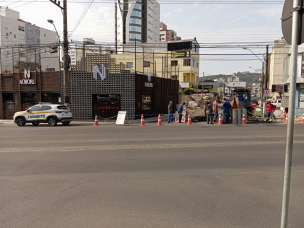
pixel 204 176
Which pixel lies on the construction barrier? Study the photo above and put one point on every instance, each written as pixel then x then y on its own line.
pixel 96 121
pixel 220 121
pixel 244 119
pixel 286 119
pixel 159 121
pixel 284 114
pixel 189 120
pixel 142 121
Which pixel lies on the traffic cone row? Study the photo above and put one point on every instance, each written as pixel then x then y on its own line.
pixel 159 122
pixel 286 119
pixel 96 121
pixel 284 114
pixel 189 120
pixel 220 121
pixel 244 119
pixel 142 121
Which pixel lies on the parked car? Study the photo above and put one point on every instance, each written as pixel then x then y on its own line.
pixel 44 113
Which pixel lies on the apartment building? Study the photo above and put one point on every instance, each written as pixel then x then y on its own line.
pixel 177 60
pixel 136 20
pixel 23 41
pixel 166 34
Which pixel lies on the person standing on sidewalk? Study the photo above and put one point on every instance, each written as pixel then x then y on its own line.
pixel 226 106
pixel 215 109
pixel 209 112
pixel 170 112
pixel 180 112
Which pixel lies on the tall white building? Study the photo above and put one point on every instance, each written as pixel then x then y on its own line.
pixel 21 41
pixel 136 20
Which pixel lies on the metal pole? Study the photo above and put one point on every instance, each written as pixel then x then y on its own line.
pixel 203 82
pixel 291 110
pixel 262 93
pixel 162 66
pixel 65 59
pixel 135 57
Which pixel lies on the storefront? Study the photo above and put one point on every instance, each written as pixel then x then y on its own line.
pixel 19 91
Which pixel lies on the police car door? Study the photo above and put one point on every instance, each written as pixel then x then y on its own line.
pixel 45 111
pixel 33 113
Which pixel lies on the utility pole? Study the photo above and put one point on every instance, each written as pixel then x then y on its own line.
pixel 66 87
pixel 267 68
pixel 203 82
pixel 291 110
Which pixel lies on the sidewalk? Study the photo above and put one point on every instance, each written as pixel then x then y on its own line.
pixel 91 122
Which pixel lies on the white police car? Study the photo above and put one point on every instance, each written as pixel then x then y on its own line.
pixel 44 113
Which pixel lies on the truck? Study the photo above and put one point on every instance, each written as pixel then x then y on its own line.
pixel 245 102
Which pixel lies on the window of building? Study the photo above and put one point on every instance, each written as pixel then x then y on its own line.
pixel 53 98
pixel 187 62
pixel 135 28
pixel 193 62
pixel 8 97
pixel 135 21
pixel 136 13
pixel 20 28
pixel 146 102
pixel 130 64
pixel 28 98
pixel 14 35
pixel 174 77
pixel 44 35
pixel 174 63
pixel 146 64
pixel 137 6
pixel 7 34
pixel 197 65
pixel 135 36
pixel 37 32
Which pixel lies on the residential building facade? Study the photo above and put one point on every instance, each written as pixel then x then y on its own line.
pixel 136 20
pixel 24 42
pixel 160 60
pixel 167 35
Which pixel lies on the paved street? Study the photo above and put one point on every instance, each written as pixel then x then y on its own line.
pixel 204 176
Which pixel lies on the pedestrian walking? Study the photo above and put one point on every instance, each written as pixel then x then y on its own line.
pixel 180 111
pixel 273 110
pixel 226 106
pixel 170 112
pixel 215 109
pixel 209 112
pixel 269 109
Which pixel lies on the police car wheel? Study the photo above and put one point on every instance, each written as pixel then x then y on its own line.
pixel 66 123
pixel 52 121
pixel 20 121
pixel 35 124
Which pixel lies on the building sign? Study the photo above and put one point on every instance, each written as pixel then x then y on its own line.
pixel 277 88
pixel 148 84
pixel 208 87
pixel 97 71
pixel 27 80
pixel 180 54
pixel 266 92
pixel 237 84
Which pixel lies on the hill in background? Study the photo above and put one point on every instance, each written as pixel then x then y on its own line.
pixel 247 77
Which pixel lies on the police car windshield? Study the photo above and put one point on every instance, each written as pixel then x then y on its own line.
pixel 62 107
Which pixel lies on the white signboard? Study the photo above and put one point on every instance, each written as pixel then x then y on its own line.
pixel 121 118
pixel 237 84
pixel 148 84
pixel 97 71
pixel 27 80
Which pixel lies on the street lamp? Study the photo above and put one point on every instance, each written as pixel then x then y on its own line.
pixel 52 22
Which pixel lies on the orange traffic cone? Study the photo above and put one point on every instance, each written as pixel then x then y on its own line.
pixel 142 121
pixel 303 118
pixel 244 119
pixel 159 122
pixel 220 121
pixel 286 119
pixel 284 114
pixel 96 121
pixel 189 120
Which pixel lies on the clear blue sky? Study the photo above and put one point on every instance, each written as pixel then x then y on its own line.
pixel 209 23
